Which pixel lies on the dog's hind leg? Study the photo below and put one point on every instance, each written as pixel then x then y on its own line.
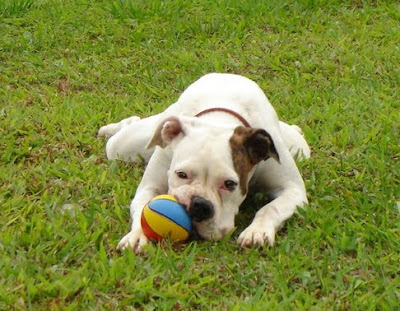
pixel 129 137
pixel 294 140
pixel 111 129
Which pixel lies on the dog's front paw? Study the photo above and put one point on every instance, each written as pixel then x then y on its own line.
pixel 255 235
pixel 134 240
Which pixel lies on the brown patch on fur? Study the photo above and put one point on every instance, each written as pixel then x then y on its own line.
pixel 241 160
pixel 249 147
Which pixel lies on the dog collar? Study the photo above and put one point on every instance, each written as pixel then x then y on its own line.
pixel 231 112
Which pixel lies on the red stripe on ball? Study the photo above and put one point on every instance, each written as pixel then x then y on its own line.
pixel 148 232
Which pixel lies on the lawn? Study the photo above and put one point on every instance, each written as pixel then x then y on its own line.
pixel 69 67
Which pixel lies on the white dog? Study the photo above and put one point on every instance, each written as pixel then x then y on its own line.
pixel 219 138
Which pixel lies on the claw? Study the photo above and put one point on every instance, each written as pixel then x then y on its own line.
pixel 134 240
pixel 254 236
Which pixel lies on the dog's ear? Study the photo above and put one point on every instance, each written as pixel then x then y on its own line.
pixel 168 130
pixel 257 143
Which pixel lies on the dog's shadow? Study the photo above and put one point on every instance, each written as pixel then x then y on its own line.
pixel 248 209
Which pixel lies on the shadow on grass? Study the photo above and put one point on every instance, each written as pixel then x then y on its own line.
pixel 248 209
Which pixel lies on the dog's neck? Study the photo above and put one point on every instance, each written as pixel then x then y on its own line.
pixel 231 112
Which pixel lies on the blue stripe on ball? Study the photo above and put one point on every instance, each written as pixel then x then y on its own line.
pixel 173 211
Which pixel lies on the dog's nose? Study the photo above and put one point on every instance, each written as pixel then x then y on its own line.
pixel 201 209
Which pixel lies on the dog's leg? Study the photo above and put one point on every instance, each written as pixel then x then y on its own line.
pixel 111 129
pixel 289 193
pixel 294 140
pixel 154 182
pixel 128 138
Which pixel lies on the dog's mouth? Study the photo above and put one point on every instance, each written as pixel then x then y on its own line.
pixel 195 235
pixel 203 232
pixel 200 231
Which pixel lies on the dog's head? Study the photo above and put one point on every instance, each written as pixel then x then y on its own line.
pixel 211 167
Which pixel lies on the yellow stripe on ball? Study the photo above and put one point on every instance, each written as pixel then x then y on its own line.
pixel 164 226
pixel 164 197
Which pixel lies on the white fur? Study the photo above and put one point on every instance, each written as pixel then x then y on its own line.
pixel 203 150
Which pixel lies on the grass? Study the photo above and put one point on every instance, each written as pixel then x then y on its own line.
pixel 68 67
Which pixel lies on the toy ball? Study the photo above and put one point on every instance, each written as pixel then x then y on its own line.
pixel 163 217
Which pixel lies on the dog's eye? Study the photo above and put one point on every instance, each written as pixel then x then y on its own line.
pixel 182 175
pixel 230 184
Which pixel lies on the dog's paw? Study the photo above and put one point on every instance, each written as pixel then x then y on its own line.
pixel 255 235
pixel 108 130
pixel 111 129
pixel 134 240
pixel 297 129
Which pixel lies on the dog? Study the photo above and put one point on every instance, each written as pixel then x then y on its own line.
pixel 219 140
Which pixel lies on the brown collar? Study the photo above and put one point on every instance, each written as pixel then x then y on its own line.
pixel 231 112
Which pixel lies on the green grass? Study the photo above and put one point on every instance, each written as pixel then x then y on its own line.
pixel 10 8
pixel 69 67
